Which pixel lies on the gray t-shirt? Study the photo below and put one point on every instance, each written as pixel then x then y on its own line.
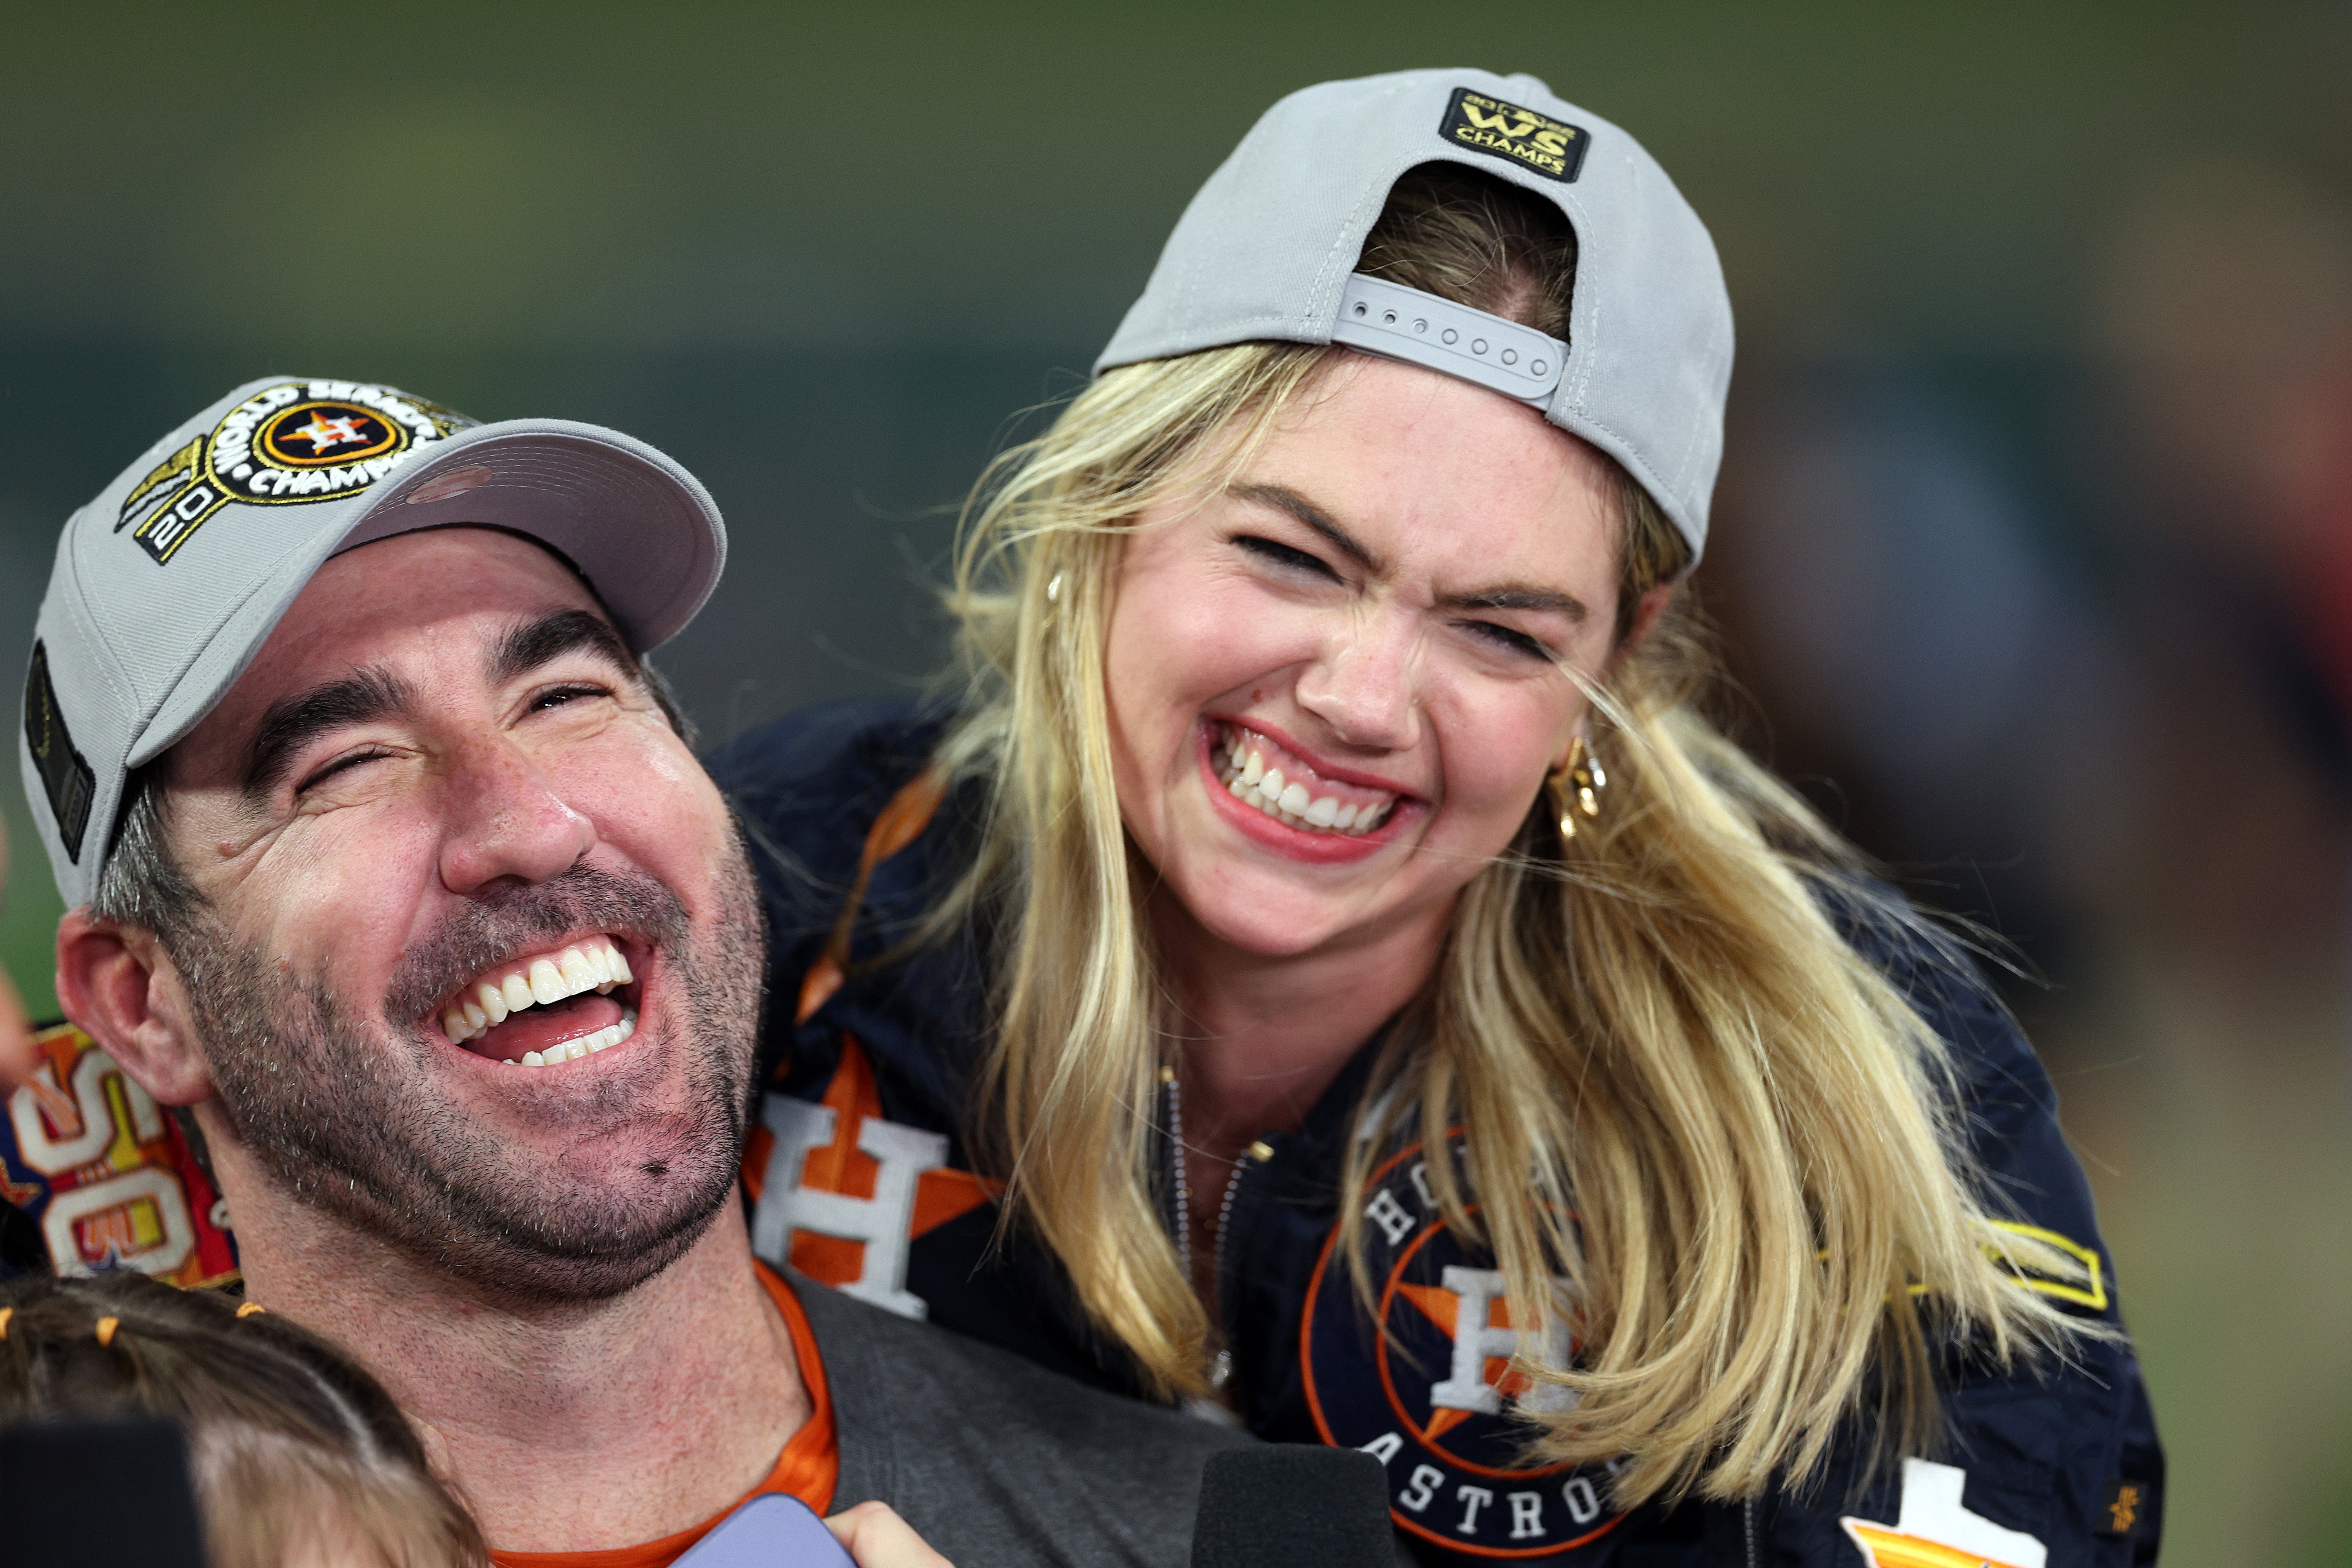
pixel 995 1461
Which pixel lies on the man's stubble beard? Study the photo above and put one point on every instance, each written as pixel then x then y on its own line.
pixel 348 1124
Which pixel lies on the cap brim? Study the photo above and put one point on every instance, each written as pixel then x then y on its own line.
pixel 640 528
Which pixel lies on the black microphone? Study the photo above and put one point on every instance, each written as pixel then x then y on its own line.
pixel 1283 1505
pixel 98 1494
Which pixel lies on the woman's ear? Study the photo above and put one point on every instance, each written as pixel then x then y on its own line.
pixel 120 988
pixel 1646 618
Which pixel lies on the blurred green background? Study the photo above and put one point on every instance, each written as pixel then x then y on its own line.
pixel 2034 551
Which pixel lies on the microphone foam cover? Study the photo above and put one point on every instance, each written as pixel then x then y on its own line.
pixel 1290 1504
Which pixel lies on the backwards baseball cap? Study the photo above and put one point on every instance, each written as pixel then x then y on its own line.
pixel 1268 248
pixel 168 583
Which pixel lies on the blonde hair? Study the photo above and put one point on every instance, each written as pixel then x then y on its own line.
pixel 1736 1138
pixel 298 1456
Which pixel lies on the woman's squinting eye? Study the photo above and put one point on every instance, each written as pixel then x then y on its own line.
pixel 1281 554
pixel 1509 640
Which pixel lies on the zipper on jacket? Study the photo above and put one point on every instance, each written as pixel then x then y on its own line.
pixel 1747 1520
pixel 1254 1157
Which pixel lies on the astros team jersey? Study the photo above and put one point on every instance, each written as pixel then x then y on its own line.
pixel 861 1174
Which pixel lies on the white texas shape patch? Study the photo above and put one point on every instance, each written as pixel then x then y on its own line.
pixel 1934 1530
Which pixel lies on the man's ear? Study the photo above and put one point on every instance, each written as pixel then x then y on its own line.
pixel 120 988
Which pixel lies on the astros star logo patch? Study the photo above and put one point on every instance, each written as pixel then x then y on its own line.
pixel 1428 1386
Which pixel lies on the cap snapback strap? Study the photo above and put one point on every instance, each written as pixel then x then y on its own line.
pixel 1401 324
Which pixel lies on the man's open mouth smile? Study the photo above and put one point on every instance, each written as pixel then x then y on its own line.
pixel 546 1009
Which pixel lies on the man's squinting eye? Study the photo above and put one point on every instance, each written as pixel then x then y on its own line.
pixel 1281 554
pixel 341 764
pixel 557 696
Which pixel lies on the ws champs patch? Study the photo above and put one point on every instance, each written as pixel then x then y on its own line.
pixel 1428 1388
pixel 1552 148
pixel 299 441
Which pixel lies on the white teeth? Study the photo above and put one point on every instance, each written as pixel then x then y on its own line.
pixel 578 973
pixel 595 965
pixel 603 1039
pixel 1251 781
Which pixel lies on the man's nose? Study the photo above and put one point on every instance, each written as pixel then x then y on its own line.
pixel 1363 682
pixel 506 818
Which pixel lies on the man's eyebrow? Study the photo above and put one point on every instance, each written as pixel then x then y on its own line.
pixel 1520 596
pixel 1281 498
pixel 527 646
pixel 357 698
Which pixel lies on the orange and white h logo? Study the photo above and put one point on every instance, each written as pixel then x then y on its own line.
pixel 842 1195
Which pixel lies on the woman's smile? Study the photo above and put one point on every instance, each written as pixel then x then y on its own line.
pixel 1294 804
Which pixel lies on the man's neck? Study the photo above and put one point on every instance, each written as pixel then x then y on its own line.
pixel 571 1427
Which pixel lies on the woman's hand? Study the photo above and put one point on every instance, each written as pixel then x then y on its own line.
pixel 878 1538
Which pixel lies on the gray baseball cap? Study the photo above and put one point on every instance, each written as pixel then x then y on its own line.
pixel 167 584
pixel 1268 248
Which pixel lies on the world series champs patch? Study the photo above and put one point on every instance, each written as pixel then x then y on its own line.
pixel 1552 148
pixel 1428 1388
pixel 296 442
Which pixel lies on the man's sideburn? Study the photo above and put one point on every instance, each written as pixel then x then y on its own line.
pixel 350 1124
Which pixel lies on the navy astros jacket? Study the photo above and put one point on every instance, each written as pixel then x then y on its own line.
pixel 859 1173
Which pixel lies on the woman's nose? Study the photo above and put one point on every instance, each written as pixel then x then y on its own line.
pixel 1362 682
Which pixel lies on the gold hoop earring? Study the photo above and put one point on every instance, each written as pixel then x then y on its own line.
pixel 1576 787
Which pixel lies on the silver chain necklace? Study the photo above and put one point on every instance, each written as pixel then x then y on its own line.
pixel 1172 1096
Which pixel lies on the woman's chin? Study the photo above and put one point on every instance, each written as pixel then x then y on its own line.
pixel 1245 914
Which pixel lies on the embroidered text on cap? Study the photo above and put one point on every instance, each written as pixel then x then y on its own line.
pixel 1552 148
pixel 295 442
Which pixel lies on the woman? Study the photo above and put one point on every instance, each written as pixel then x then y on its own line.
pixel 1327 931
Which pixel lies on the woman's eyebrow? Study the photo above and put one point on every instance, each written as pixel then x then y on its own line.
pixel 1519 596
pixel 1282 498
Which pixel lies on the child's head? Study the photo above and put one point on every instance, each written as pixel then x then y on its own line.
pixel 300 1457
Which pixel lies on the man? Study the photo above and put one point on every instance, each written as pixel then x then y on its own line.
pixel 388 861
